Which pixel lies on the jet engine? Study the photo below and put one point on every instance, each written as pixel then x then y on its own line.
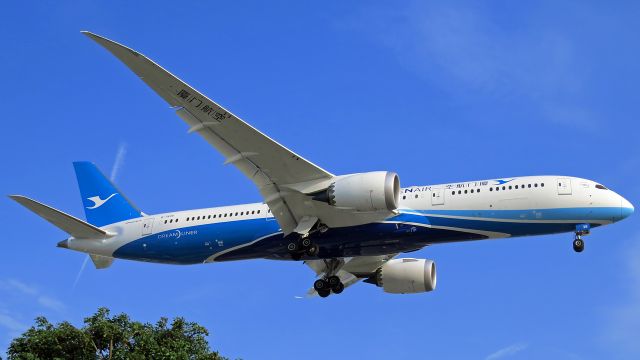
pixel 372 191
pixel 406 276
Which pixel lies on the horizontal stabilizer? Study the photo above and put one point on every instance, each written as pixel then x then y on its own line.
pixel 101 262
pixel 69 224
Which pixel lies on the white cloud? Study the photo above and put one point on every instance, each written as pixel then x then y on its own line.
pixel 51 303
pixel 507 351
pixel 464 48
pixel 13 285
pixel 20 290
pixel 11 324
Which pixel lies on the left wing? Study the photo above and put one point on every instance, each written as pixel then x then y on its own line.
pixel 268 164
pixel 349 270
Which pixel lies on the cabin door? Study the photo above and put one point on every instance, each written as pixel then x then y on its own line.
pixel 564 186
pixel 147 226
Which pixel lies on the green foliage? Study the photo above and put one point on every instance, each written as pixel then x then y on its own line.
pixel 113 337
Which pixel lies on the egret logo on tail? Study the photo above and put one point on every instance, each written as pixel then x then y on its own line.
pixel 97 202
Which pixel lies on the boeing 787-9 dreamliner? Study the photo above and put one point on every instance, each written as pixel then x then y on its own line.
pixel 346 228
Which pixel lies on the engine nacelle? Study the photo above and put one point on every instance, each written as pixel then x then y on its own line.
pixel 407 276
pixel 372 191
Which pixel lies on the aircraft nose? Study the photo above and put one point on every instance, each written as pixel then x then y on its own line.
pixel 626 208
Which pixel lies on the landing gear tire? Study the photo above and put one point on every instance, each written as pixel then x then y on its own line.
pixel 312 250
pixel 292 246
pixel 578 245
pixel 321 285
pixel 306 242
pixel 337 289
pixel 333 281
pixel 324 293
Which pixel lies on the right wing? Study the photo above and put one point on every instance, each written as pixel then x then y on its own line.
pixel 268 164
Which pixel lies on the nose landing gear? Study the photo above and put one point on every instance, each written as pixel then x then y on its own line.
pixel 581 230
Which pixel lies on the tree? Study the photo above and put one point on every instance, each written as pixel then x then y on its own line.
pixel 113 337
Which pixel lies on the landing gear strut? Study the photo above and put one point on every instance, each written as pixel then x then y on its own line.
pixel 581 230
pixel 578 244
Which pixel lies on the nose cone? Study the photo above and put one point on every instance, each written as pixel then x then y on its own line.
pixel 64 244
pixel 626 208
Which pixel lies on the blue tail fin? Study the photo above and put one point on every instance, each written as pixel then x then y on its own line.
pixel 103 203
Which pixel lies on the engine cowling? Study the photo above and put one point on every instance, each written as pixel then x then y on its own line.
pixel 372 191
pixel 407 276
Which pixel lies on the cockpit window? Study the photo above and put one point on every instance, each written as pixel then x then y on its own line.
pixel 598 186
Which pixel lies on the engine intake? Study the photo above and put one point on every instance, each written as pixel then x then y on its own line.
pixel 407 276
pixel 372 191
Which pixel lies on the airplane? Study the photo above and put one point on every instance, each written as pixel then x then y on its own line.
pixel 346 228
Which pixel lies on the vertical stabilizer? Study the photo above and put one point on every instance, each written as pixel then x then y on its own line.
pixel 103 203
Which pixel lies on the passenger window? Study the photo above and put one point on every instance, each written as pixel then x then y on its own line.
pixel 417 195
pixel 541 184
pixel 504 188
pixel 529 185
pixel 478 190
pixel 535 185
pixel 510 187
pixel 465 191
pixel 165 221
pixel 491 189
pixel 403 197
pixel 516 187
pixel 258 211
pixel 453 193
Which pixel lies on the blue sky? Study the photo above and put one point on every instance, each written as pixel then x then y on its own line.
pixel 439 92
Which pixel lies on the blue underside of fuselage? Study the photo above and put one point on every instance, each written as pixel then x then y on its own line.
pixel 410 230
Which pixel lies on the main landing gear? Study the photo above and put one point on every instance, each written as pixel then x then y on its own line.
pixel 303 245
pixel 326 286
pixel 330 283
pixel 581 230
